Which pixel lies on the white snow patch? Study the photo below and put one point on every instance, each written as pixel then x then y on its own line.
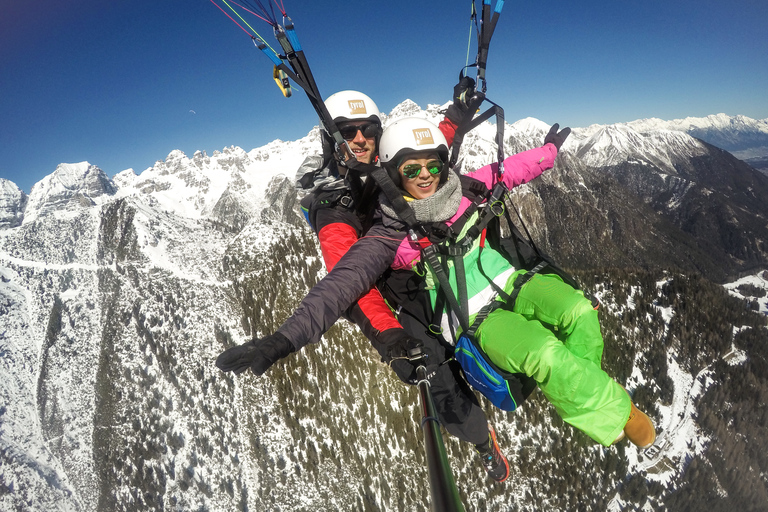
pixel 760 281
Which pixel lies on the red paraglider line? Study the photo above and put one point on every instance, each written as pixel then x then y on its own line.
pixel 250 11
pixel 233 19
pixel 281 6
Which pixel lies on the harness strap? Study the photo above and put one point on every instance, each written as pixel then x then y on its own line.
pixel 484 312
pixel 509 299
pixel 469 123
pixel 494 208
pixel 465 125
pixel 431 255
pixel 487 27
pixel 460 305
pixel 461 288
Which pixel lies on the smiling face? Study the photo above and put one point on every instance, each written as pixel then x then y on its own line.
pixel 363 147
pixel 425 183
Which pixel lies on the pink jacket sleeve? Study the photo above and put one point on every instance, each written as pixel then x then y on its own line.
pixel 520 168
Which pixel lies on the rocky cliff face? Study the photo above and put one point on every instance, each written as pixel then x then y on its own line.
pixel 12 204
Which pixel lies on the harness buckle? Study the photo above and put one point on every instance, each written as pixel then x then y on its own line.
pixel 435 329
pixel 443 232
pixel 496 208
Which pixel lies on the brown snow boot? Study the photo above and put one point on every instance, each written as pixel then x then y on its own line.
pixel 639 429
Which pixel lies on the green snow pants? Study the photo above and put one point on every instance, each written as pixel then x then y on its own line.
pixel 568 372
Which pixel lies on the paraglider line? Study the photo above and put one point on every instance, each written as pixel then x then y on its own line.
pixel 280 5
pixel 238 15
pixel 272 20
pixel 257 36
pixel 230 17
pixel 250 11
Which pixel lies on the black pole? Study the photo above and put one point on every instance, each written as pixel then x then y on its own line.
pixel 445 495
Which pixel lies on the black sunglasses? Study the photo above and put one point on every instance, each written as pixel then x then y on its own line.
pixel 369 130
pixel 412 171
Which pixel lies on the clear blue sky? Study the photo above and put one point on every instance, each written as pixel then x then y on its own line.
pixel 122 84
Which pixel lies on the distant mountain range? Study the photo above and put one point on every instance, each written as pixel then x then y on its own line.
pixel 746 138
pixel 117 294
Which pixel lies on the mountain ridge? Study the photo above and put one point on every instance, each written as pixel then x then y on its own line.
pixel 709 124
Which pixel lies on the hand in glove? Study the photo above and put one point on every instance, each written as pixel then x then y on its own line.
pixel 462 94
pixel 401 345
pixel 257 354
pixel 557 137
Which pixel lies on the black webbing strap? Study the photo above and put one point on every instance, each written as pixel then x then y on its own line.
pixel 469 123
pixel 302 75
pixel 484 312
pixel 455 248
pixel 295 66
pixel 484 34
pixel 457 251
pixel 437 312
pixel 484 38
pixel 494 208
pixel 509 299
pixel 461 288
pixel 465 124
pixel 431 255
pixel 521 280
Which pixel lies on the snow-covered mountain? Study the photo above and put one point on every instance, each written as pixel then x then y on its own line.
pixel 13 202
pixel 615 144
pixel 116 295
pixel 744 137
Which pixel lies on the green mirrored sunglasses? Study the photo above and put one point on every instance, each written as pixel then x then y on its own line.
pixel 412 171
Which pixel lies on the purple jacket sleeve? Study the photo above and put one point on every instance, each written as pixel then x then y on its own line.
pixel 520 168
pixel 354 274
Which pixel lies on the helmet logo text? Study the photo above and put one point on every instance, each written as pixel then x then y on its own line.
pixel 423 136
pixel 357 107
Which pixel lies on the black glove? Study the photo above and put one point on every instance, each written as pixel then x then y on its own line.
pixel 555 137
pixel 257 354
pixel 401 345
pixel 462 94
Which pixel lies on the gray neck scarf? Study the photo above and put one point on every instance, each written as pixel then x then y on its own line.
pixel 440 206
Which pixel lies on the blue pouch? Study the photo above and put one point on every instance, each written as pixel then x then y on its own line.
pixel 505 390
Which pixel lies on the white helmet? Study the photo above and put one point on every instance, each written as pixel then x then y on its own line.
pixel 345 106
pixel 410 135
pixel 352 105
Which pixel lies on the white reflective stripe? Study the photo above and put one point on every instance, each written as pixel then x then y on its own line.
pixel 476 303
